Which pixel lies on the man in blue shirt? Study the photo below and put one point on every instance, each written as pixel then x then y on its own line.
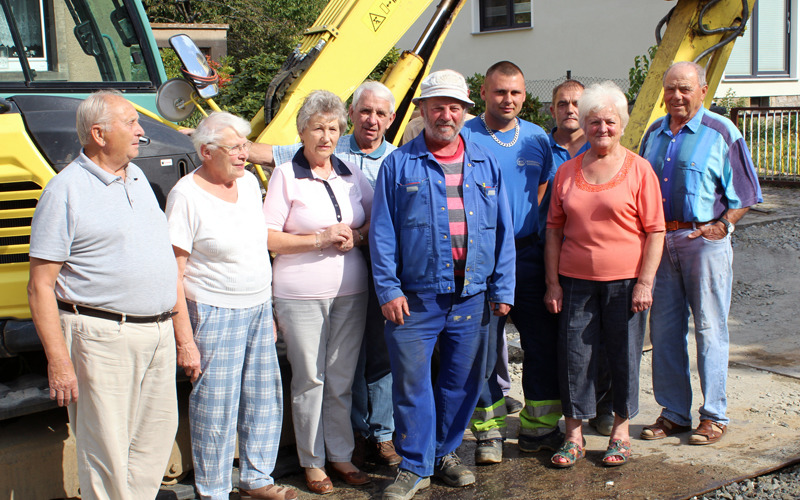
pixel 441 239
pixel 523 153
pixel 708 182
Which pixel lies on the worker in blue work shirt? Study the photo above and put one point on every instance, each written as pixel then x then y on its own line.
pixel 442 245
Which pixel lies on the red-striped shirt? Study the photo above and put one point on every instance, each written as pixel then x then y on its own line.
pixel 453 167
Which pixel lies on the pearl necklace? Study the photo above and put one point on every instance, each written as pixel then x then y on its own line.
pixel 498 141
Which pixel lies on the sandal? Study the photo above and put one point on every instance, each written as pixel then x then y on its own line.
pixel 662 428
pixel 708 432
pixel 268 492
pixel 569 451
pixel 617 448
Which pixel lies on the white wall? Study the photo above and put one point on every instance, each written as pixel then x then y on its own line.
pixel 594 38
pixel 770 87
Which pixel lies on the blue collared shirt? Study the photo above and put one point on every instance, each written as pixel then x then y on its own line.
pixel 409 233
pixel 560 153
pixel 703 170
pixel 346 149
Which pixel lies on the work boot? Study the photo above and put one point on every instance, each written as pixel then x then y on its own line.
pixel 489 451
pixel 453 472
pixel 551 441
pixel 359 450
pixel 386 453
pixel 405 486
pixel 602 423
pixel 513 405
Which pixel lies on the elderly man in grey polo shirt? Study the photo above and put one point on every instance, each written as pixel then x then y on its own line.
pixel 103 282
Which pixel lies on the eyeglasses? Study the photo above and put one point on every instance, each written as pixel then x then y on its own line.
pixel 235 150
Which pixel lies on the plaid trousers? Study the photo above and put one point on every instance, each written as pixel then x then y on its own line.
pixel 239 390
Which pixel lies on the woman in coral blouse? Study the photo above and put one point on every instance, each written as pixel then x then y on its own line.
pixel 605 233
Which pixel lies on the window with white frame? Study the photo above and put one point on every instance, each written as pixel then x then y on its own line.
pixel 504 14
pixel 765 49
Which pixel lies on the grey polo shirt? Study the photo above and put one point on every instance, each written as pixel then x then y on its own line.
pixel 111 236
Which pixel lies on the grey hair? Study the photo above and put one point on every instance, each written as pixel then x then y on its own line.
pixel 377 89
pixel 321 102
pixel 210 130
pixel 600 96
pixel 93 110
pixel 699 70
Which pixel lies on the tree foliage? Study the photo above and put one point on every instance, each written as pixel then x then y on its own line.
pixel 638 73
pixel 532 109
pixel 261 36
pixel 256 26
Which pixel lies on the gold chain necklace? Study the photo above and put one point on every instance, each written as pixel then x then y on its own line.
pixel 498 141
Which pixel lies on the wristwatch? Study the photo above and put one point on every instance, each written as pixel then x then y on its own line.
pixel 729 227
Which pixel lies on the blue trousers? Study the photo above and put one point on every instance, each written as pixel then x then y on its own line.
pixel 694 275
pixel 238 392
pixel 430 420
pixel 371 414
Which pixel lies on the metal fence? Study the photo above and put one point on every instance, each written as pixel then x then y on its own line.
pixel 543 89
pixel 772 134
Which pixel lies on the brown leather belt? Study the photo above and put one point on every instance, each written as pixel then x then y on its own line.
pixel 674 225
pixel 118 317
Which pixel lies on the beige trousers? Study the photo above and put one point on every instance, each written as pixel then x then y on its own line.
pixel 127 414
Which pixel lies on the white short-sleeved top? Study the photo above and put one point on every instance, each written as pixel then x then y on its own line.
pixel 298 202
pixel 228 263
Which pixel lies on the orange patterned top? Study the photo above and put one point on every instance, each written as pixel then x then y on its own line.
pixel 605 225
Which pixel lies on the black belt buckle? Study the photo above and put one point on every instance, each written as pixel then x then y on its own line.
pixel 165 316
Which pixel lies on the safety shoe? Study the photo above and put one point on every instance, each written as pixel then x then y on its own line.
pixel 551 441
pixel 602 423
pixel 386 453
pixel 405 486
pixel 489 451
pixel 513 405
pixel 453 472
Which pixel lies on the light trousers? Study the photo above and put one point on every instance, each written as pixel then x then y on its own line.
pixel 695 275
pixel 127 411
pixel 323 339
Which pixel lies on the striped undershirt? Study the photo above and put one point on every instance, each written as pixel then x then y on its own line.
pixel 453 167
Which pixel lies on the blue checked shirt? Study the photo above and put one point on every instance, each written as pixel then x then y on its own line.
pixel 703 170
pixel 346 149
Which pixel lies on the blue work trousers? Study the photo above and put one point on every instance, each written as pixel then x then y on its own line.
pixel 371 414
pixel 430 420
pixel 538 334
pixel 694 275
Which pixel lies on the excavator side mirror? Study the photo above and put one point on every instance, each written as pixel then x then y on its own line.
pixel 195 66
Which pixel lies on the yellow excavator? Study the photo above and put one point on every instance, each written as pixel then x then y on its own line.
pixel 348 40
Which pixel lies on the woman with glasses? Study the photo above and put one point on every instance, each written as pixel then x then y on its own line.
pixel 224 327
pixel 317 210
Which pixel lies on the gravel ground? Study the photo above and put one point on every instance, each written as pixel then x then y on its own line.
pixel 783 234
pixel 783 484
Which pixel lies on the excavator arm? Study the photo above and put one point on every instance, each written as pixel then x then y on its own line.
pixel 702 31
pixel 341 49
